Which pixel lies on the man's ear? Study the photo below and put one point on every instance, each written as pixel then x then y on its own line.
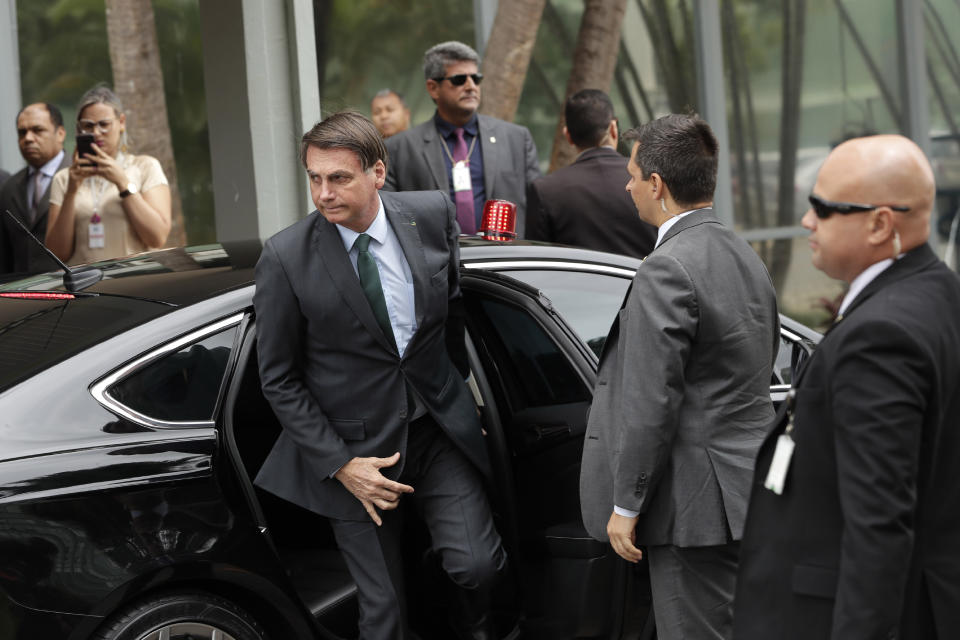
pixel 566 134
pixel 380 172
pixel 433 88
pixel 881 226
pixel 656 185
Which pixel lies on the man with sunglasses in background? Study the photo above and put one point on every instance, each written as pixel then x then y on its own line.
pixel 854 520
pixel 472 157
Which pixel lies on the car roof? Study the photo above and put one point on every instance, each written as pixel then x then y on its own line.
pixel 183 276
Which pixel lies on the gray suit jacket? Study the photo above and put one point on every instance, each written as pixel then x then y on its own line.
pixel 683 392
pixel 335 382
pixel 415 162
pixel 18 254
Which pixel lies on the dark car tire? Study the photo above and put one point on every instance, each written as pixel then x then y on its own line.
pixel 195 615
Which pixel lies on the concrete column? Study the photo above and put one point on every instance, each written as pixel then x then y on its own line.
pixel 484 11
pixel 913 84
pixel 712 97
pixel 260 77
pixel 10 158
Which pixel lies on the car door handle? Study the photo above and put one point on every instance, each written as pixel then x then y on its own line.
pixel 549 431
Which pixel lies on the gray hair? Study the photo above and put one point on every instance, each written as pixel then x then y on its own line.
pixel 437 57
pixel 383 93
pixel 100 94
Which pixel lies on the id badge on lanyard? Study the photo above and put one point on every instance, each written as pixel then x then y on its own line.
pixel 461 176
pixel 98 237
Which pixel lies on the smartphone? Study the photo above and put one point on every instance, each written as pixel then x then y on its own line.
pixel 85 145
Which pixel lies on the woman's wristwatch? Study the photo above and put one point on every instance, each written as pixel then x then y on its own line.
pixel 129 191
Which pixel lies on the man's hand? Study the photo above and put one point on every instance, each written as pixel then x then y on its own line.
pixel 620 530
pixel 362 478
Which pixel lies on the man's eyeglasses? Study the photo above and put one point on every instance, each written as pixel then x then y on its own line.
pixel 461 79
pixel 825 208
pixel 87 126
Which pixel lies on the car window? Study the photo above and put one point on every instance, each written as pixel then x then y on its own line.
pixel 588 302
pixel 533 369
pixel 181 386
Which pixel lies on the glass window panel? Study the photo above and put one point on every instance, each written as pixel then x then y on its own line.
pixel 182 386
pixel 787 106
pixel 588 302
pixel 943 76
pixel 534 370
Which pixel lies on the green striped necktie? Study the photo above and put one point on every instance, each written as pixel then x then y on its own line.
pixel 370 283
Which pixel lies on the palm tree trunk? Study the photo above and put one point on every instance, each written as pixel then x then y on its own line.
pixel 594 60
pixel 508 55
pixel 794 16
pixel 138 82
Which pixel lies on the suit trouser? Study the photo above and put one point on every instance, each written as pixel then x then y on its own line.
pixel 693 589
pixel 449 496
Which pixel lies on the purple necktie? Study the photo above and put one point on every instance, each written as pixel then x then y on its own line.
pixel 463 199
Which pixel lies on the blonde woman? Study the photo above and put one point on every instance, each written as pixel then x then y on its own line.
pixel 108 203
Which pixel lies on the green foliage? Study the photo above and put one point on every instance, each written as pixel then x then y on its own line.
pixel 375 44
pixel 64 51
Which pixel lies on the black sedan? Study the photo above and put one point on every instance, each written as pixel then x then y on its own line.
pixel 132 424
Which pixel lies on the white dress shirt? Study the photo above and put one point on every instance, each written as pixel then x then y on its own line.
pixel 861 281
pixel 662 231
pixel 395 276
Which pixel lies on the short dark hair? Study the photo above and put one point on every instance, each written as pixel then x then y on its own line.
pixel 439 56
pixel 587 115
pixel 683 150
pixel 55 116
pixel 346 130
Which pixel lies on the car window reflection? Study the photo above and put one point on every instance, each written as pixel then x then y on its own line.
pixel 181 386
pixel 588 302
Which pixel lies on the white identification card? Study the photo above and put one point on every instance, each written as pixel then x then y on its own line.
pixel 461 176
pixel 777 475
pixel 97 235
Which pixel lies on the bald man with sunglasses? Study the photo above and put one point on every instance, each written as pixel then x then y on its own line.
pixel 853 528
pixel 472 157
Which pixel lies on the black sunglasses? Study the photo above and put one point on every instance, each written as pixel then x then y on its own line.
pixel 824 208
pixel 461 78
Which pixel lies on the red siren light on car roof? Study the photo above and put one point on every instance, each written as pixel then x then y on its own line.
pixel 499 221
pixel 37 295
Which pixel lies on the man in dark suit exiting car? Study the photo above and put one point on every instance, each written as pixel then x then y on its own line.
pixel 853 531
pixel 354 307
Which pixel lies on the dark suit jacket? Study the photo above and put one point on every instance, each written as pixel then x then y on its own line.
pixel 682 400
pixel 587 205
pixel 336 384
pixel 866 536
pixel 415 162
pixel 18 254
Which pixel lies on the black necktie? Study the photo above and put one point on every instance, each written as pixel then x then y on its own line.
pixel 370 283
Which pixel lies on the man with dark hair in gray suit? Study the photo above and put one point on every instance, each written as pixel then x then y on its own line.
pixel 585 204
pixel 26 194
pixel 682 399
pixel 472 157
pixel 355 307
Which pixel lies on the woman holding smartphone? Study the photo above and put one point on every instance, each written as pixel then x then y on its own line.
pixel 108 203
